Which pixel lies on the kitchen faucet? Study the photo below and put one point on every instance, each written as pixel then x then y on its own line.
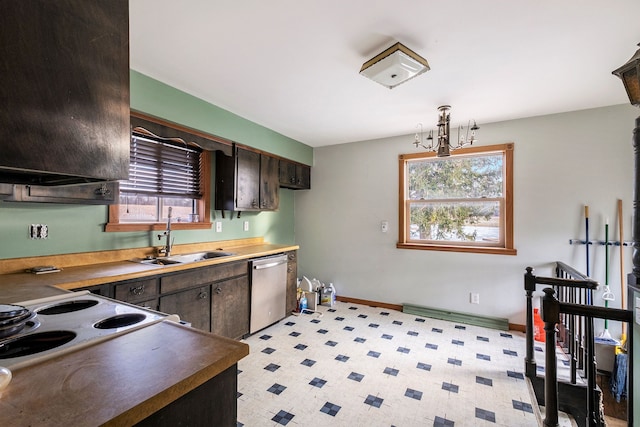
pixel 166 250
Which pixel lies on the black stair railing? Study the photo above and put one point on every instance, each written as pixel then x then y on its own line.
pixel 552 311
pixel 572 287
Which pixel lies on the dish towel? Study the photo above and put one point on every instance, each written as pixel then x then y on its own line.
pixel 619 377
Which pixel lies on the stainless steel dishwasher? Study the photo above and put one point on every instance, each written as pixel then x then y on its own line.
pixel 268 291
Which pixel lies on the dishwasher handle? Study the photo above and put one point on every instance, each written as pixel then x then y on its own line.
pixel 269 265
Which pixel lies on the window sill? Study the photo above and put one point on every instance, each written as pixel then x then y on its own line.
pixel 451 248
pixel 115 227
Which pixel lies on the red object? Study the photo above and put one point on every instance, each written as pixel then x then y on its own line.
pixel 538 326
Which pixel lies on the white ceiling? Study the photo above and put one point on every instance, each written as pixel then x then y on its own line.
pixel 293 65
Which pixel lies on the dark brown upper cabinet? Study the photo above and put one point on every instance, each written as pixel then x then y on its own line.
pixel 246 181
pixel 295 176
pixel 64 101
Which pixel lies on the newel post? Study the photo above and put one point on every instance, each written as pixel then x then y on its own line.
pixel 550 316
pixel 636 203
pixel 529 359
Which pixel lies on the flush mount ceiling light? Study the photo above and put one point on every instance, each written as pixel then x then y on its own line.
pixel 394 66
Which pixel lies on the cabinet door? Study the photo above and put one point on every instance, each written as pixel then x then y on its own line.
pixel 247 179
pixel 193 306
pixel 303 177
pixel 230 308
pixel 287 173
pixel 269 183
pixel 295 176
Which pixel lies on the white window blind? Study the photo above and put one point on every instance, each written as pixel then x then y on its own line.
pixel 163 168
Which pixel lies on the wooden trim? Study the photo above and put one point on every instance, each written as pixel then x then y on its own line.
pixel 266 153
pixel 509 239
pixel 517 327
pixel 467 150
pixel 396 307
pixel 181 129
pixel 402 224
pixel 152 226
pixel 469 249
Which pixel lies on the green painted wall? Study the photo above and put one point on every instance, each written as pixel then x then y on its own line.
pixel 79 228
pixel 158 99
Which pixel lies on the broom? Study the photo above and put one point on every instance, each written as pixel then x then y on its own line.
pixel 605 336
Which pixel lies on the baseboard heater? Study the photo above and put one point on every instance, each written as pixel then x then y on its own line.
pixel 455 316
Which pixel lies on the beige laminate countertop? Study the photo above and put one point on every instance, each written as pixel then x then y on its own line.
pixel 117 382
pixel 16 287
pixel 125 379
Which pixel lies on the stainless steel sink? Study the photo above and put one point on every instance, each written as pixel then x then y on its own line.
pixel 183 259
pixel 199 256
pixel 156 261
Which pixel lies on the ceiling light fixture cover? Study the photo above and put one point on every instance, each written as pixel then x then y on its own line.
pixel 394 66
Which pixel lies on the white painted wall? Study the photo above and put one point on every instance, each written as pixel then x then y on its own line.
pixel 562 162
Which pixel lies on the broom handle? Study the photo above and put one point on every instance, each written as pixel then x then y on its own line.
pixel 586 232
pixel 622 290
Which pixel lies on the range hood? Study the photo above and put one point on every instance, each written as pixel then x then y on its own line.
pixel 64 103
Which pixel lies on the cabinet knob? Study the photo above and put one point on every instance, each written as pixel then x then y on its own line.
pixel 218 290
pixel 137 290
pixel 202 295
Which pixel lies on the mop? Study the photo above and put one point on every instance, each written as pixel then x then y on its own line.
pixel 605 336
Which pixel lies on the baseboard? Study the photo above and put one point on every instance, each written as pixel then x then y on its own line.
pixel 454 316
pixel 517 327
pixel 396 307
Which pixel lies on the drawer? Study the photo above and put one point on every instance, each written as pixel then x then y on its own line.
pixel 139 290
pixel 202 276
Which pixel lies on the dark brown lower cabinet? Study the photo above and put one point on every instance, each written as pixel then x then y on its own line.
pixel 192 305
pixel 211 404
pixel 230 307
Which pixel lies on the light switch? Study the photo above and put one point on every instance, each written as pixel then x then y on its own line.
pixel 218 227
pixel 384 226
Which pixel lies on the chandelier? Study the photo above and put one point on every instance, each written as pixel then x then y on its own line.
pixel 443 145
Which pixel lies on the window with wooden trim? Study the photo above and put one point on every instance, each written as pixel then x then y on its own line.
pixel 461 203
pixel 163 173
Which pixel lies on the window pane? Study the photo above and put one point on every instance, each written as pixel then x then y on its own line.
pixel 182 211
pixel 456 177
pixel 138 208
pixel 477 222
pixel 144 208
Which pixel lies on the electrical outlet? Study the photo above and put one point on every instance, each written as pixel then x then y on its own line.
pixel 474 298
pixel 245 226
pixel 218 227
pixel 39 231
